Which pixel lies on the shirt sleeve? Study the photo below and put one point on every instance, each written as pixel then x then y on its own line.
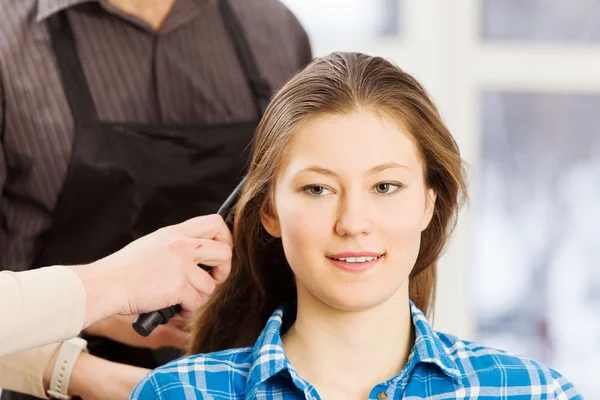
pixel 24 372
pixel 38 307
pixel 563 388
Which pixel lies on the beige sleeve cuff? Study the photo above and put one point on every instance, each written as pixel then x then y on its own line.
pixel 24 372
pixel 38 307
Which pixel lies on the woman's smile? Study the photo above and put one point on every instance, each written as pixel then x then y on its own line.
pixel 357 263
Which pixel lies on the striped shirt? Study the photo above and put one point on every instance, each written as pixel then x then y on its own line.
pixel 440 366
pixel 186 73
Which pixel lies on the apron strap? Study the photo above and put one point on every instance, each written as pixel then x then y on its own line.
pixel 70 69
pixel 259 86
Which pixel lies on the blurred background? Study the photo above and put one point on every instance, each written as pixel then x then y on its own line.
pixel 518 83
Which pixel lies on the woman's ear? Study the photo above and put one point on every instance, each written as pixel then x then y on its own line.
pixel 269 220
pixel 430 197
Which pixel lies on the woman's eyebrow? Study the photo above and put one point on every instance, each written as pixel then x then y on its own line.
pixel 375 169
pixel 383 167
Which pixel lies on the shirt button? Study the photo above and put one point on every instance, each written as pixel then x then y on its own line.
pixel 382 396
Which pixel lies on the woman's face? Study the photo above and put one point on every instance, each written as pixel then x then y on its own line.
pixel 350 206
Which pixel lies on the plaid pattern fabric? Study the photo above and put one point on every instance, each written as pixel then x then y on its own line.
pixel 440 367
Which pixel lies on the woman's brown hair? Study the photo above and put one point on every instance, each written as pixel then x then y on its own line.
pixel 340 83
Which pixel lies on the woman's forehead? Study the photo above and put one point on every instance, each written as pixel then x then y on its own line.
pixel 354 142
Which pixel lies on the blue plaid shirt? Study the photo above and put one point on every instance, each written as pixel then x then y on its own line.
pixel 440 366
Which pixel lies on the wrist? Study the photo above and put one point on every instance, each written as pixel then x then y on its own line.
pixel 63 368
pixel 104 296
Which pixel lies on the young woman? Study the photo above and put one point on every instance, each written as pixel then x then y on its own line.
pixel 352 193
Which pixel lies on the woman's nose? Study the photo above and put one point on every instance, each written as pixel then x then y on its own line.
pixel 353 216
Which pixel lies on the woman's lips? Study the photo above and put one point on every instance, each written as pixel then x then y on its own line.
pixel 347 254
pixel 355 266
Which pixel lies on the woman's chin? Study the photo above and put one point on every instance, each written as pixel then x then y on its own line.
pixel 351 296
pixel 356 301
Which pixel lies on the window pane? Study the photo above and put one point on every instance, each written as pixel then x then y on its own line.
pixel 536 280
pixel 541 20
pixel 347 19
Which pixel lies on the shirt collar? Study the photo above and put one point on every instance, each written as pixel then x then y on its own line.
pixel 269 359
pixel 429 348
pixel 182 12
pixel 46 8
pixel 268 356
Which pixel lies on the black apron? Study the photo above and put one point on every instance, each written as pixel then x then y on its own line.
pixel 126 180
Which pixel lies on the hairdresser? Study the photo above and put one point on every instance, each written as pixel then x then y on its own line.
pixel 120 117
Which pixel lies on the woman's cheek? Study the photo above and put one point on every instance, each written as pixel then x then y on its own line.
pixel 304 221
pixel 403 232
pixel 403 218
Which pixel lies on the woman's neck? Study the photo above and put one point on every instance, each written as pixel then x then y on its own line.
pixel 345 354
pixel 151 12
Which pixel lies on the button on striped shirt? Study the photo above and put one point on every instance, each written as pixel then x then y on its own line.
pixel 440 366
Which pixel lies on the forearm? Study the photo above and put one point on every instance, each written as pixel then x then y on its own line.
pixel 85 371
pixel 94 377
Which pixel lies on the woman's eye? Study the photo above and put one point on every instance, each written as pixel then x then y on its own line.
pixel 386 187
pixel 317 190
